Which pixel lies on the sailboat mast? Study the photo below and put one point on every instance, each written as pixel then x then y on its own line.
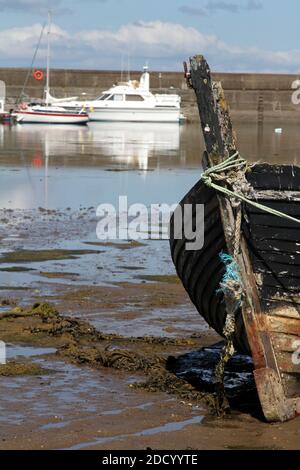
pixel 48 59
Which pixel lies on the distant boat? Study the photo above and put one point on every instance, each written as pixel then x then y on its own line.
pixel 46 113
pixel 130 101
pixel 49 115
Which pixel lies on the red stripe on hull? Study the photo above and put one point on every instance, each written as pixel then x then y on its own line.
pixel 53 114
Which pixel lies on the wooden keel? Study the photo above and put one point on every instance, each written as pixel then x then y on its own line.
pixel 269 258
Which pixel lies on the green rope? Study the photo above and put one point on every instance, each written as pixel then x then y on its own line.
pixel 236 161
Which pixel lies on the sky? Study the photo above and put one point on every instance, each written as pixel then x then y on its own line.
pixel 235 36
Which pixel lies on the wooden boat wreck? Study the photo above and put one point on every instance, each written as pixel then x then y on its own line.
pixel 260 232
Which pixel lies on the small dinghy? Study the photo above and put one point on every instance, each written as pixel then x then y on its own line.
pixel 245 280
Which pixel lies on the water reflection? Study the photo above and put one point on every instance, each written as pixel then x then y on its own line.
pixel 260 142
pixel 66 166
pixel 131 145
pixel 134 144
pixel 138 145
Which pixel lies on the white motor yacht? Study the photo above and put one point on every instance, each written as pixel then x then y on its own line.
pixel 131 101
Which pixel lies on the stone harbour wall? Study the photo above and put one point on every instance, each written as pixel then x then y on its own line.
pixel 251 96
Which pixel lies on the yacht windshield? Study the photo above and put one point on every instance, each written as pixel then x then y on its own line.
pixel 134 98
pixel 103 97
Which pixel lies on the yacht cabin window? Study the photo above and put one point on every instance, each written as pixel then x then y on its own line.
pixel 134 98
pixel 116 98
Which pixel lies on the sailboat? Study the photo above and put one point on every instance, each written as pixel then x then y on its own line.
pixel 47 113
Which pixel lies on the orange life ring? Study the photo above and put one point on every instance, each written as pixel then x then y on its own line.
pixel 38 75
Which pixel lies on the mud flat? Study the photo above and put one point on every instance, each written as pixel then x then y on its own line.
pixel 69 385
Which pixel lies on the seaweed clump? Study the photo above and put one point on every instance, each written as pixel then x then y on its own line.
pixel 15 369
pixel 80 343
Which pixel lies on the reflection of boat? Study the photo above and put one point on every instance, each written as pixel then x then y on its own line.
pixel 134 145
pixel 54 140
pixel 131 101
pixel 47 114
pixel 245 279
pixel 110 142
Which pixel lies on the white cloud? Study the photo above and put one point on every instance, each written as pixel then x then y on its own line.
pixel 165 45
pixel 153 39
pixel 20 43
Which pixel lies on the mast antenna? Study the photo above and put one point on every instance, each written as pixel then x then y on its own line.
pixel 48 58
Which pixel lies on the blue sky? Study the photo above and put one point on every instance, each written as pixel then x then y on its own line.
pixel 245 35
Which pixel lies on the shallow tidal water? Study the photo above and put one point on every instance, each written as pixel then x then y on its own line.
pixel 58 167
pixel 52 179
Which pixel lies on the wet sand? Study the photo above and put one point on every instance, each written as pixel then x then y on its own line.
pixel 105 350
pixel 70 396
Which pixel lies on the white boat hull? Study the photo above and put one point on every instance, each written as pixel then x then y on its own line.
pixel 157 114
pixel 28 117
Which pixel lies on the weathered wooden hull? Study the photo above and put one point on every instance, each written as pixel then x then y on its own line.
pixel 201 271
pixel 262 281
pixel 274 247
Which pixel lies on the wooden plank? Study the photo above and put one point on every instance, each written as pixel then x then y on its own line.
pixel 291 384
pixel 277 257
pixel 276 198
pixel 266 177
pixel 284 278
pixel 269 292
pixel 280 234
pixel 287 364
pixel 284 325
pixel 283 342
pixel 272 221
pixel 288 307
pixel 271 246
pixel 271 393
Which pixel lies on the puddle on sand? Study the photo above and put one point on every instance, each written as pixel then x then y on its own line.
pixel 166 428
pixel 61 425
pixel 73 404
pixel 58 394
pixel 73 255
pixel 16 351
pixel 163 322
pixel 4 308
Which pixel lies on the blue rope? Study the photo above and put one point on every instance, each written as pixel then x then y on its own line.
pixel 232 268
pixel 232 272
